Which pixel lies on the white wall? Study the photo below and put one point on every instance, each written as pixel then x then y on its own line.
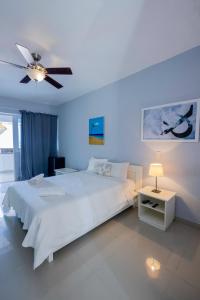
pixel 14 105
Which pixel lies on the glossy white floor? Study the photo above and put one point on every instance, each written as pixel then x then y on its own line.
pixel 108 263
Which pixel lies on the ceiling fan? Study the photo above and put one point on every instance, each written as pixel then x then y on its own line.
pixel 35 71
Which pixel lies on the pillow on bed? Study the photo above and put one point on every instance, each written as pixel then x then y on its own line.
pixel 119 170
pixel 103 169
pixel 93 161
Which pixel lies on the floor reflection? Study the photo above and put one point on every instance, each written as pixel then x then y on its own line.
pixel 153 267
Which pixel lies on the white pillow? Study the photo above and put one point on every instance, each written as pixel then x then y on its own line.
pixel 103 169
pixel 120 170
pixel 93 161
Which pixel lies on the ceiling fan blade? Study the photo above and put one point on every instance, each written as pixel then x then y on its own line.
pixel 26 79
pixel 53 82
pixel 59 71
pixel 12 64
pixel 26 54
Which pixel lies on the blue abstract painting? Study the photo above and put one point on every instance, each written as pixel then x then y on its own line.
pixel 96 131
pixel 175 122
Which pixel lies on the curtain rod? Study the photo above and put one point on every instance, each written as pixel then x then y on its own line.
pixel 10 112
pixel 36 112
pixel 17 112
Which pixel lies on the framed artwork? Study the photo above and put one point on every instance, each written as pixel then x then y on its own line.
pixel 177 122
pixel 96 131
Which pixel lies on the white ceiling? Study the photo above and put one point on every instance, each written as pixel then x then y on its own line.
pixel 101 40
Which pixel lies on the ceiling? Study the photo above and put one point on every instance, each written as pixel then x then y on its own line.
pixel 101 40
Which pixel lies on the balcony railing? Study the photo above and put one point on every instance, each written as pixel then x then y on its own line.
pixel 6 160
pixel 6 150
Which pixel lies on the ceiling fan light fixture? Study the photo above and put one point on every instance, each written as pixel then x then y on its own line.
pixel 36 73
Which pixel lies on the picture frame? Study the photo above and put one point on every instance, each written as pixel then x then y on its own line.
pixel 173 122
pixel 96 131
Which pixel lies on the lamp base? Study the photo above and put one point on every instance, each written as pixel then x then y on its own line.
pixel 156 188
pixel 156 191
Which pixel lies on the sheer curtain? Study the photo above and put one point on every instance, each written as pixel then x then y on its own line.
pixel 38 142
pixel 9 146
pixel 17 144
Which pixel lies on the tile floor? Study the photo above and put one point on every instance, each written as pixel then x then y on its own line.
pixel 108 263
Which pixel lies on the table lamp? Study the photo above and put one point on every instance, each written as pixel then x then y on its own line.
pixel 156 170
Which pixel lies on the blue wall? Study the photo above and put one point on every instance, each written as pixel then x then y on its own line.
pixel 176 79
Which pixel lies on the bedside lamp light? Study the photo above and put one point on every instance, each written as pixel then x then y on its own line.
pixel 156 170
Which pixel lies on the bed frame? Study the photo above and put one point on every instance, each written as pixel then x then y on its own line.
pixel 134 173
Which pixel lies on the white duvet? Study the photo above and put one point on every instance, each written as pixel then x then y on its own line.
pixel 54 221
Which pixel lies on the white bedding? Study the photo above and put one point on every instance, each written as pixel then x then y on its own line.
pixel 55 221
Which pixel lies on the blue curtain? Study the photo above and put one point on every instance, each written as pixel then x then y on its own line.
pixel 38 142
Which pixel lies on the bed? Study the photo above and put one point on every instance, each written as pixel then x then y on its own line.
pixel 55 221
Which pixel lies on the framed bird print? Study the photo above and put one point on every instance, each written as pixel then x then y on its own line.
pixel 177 122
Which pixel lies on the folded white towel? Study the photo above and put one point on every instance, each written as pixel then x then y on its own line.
pixel 37 179
pixel 51 191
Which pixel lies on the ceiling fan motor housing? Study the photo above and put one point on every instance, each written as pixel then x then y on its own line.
pixel 36 56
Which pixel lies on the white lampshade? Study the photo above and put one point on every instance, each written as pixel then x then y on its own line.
pixel 156 170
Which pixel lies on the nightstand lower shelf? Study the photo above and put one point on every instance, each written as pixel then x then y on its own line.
pixel 152 217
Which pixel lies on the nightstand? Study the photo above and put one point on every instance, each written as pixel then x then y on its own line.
pixel 163 214
pixel 64 171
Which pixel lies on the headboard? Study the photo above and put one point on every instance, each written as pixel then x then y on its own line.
pixel 135 173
